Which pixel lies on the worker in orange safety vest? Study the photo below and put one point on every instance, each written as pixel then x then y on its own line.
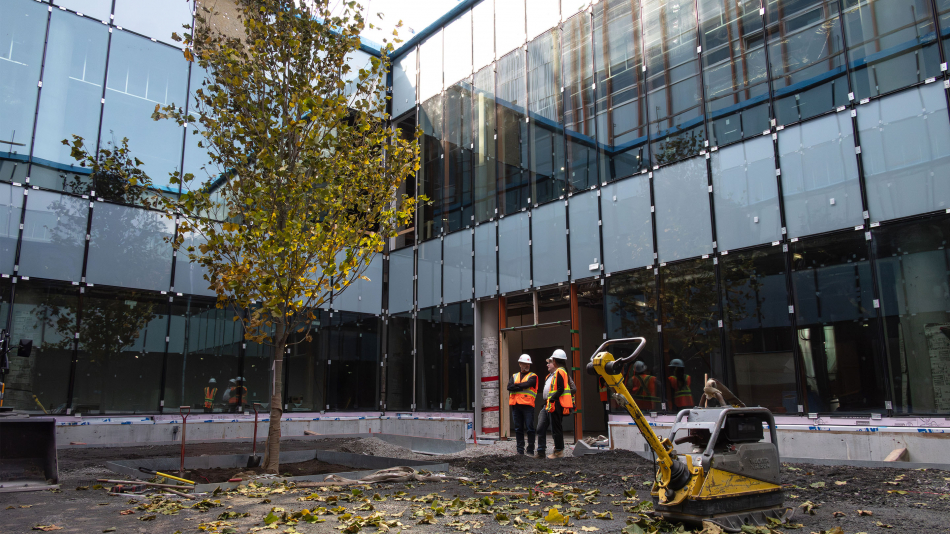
pixel 559 401
pixel 210 391
pixel 522 392
pixel 680 385
pixel 643 388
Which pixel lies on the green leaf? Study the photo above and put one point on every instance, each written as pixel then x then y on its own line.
pixel 271 518
pixel 554 517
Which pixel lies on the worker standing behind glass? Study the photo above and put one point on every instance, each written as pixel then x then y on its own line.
pixel 643 388
pixel 210 391
pixel 522 391
pixel 680 385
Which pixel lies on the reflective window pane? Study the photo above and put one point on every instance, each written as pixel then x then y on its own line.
pixel 483 33
pixel 100 9
pixel 806 58
pixel 11 208
pixel 190 276
pixel 512 133
pixel 306 367
pixel 128 248
pixel 891 44
pixel 514 259
pixel 432 167
pixel 353 341
pixel 585 235
pixel 458 331
pixel 509 26
pixel 905 148
pixel 430 273
pixel 673 80
pixel 70 101
pixel 458 48
pixel 457 283
pixel 121 348
pixel 578 102
pixel 430 377
pixel 542 15
pixel 457 195
pixel 683 227
pixel 837 338
pixel 746 194
pixel 820 176
pixel 399 360
pixel 759 350
pixel 484 160
pixel 430 66
pixel 401 271
pixel 486 269
pixel 545 130
pixel 143 74
pixel 54 236
pixel 157 19
pixel 631 312
pixel 943 18
pixel 549 243
pixel 22 32
pixel 620 89
pixel 364 296
pixel 628 228
pixel 404 83
pixel 734 69
pixel 197 160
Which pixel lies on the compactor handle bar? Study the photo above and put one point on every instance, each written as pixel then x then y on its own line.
pixel 616 366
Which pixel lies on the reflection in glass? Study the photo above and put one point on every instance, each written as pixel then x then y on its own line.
pixel 190 276
pixel 911 264
pixel 578 102
pixel 157 19
pixel 204 344
pixel 837 331
pixel 430 67
pixel 542 15
pixel 545 130
pixel 549 243
pixel 759 336
pixel 734 69
pixel 401 271
pixel 509 26
pixel 399 363
pixel 100 9
pixel 143 74
pixel 746 194
pixel 620 89
pixel 197 160
pixel 45 313
pixel 70 101
pixel 404 83
pixel 127 248
pixel 430 369
pixel 486 269
pixel 352 382
pixel 11 207
pixel 54 236
pixel 364 296
pixel 458 48
pixel 306 367
pixel 512 134
pixel 905 149
pixel 121 347
pixel 820 176
pixel 585 235
pixel 432 167
pixel 891 44
pixel 683 227
pixel 22 32
pixel 943 18
pixel 628 228
pixel 514 253
pixel 457 195
pixel 483 33
pixel 484 145
pixel 4 300
pixel 430 274
pixel 457 268
pixel 689 314
pixel 806 58
pixel 631 312
pixel 674 99
pixel 458 331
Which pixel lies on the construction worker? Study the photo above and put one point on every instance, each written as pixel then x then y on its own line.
pixel 643 387
pixel 210 391
pixel 559 401
pixel 680 385
pixel 523 389
pixel 236 394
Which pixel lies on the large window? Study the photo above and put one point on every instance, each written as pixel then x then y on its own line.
pixel 512 133
pixel 483 143
pixel 458 331
pixel 545 129
pixel 628 227
pixel 399 362
pixel 431 173
pixel 457 267
pixel 353 350
pixel 54 236
pixel 127 248
pixel 430 274
pixel 630 311
pixel 549 244
pixel 430 368
pixel 514 253
pixel 457 196
pixel 100 9
pixel 745 192
pixel 683 225
pixel 157 19
pixel 22 32
pixel 578 103
pixel 486 261
pixel 11 207
pixel 306 367
pixel 402 268
pixel 585 235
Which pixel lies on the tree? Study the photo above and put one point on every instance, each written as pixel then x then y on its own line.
pixel 310 171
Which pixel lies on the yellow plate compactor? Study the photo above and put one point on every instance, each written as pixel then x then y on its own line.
pixel 732 476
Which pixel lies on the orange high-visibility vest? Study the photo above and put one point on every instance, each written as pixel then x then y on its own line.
pixel 209 396
pixel 682 394
pixel 525 396
pixel 237 394
pixel 602 388
pixel 643 390
pixel 566 400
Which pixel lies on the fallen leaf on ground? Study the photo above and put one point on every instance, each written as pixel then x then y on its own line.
pixel 590 529
pixel 808 507
pixel 899 492
pixel 604 515
pixel 110 529
pixel 710 528
pixel 838 514
pixel 817 484
pixel 147 518
pixel 882 525
pixel 127 512
pixel 47 528
pixel 865 512
pixel 840 483
pixel 555 517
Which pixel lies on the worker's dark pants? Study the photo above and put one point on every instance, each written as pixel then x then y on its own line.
pixel 524 421
pixel 555 421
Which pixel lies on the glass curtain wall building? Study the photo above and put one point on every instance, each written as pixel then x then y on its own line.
pixel 761 189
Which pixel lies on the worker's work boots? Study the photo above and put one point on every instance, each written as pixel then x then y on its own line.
pixel 556 454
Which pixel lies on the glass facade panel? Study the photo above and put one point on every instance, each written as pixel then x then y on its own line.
pixel 70 101
pixel 578 103
pixel 458 331
pixel 905 148
pixel 197 160
pixel 45 313
pixel 585 235
pixel 352 382
pixel 190 276
pixel 746 194
pixel 833 296
pixel 457 199
pixel 912 262
pixel 514 253
pixel 683 227
pixel 512 134
pixel 430 274
pixel 121 348
pixel 820 176
pixel 891 44
pixel 509 26
pixel 631 311
pixel 143 74
pixel 483 33
pixel 430 368
pixel 306 368
pixel 549 244
pixel 401 271
pixel 542 15
pixel 545 129
pixel 100 9
pixel 404 83
pixel 364 296
pixel 457 271
pixel 154 18
pixel 628 227
pixel 11 208
pixel 806 58
pixel 399 363
pixel 689 316
pixel 673 80
pixel 734 69
pixel 943 18
pixel 620 90
pixel 760 353
pixel 432 160
pixel 127 248
pixel 458 48
pixel 54 236
pixel 204 345
pixel 483 157
pixel 486 267
pixel 430 67
pixel 22 34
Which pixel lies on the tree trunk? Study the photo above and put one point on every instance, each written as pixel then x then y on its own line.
pixel 272 457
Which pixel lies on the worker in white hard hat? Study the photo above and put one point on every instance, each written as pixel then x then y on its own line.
pixel 522 391
pixel 559 401
pixel 210 391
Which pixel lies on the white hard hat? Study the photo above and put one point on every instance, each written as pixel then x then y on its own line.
pixel 559 355
pixel 525 359
pixel 212 381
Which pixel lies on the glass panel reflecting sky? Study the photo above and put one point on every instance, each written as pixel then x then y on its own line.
pixel 54 236
pixel 430 273
pixel 549 243
pixel 458 49
pixel 628 227
pixel 430 66
pixel 457 271
pixel 401 271
pixel 22 32
pixel 512 133
pixel 404 83
pixel 486 269
pixel 483 33
pixel 585 235
pixel 683 227
pixel 484 160
pixel 545 129
pixel 509 26
pixel 100 9
pixel 128 249
pixel 11 204
pixel 157 19
pixel 578 102
pixel 514 253
pixel 746 194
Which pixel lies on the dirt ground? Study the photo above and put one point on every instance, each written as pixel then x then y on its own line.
pixel 222 474
pixel 606 493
